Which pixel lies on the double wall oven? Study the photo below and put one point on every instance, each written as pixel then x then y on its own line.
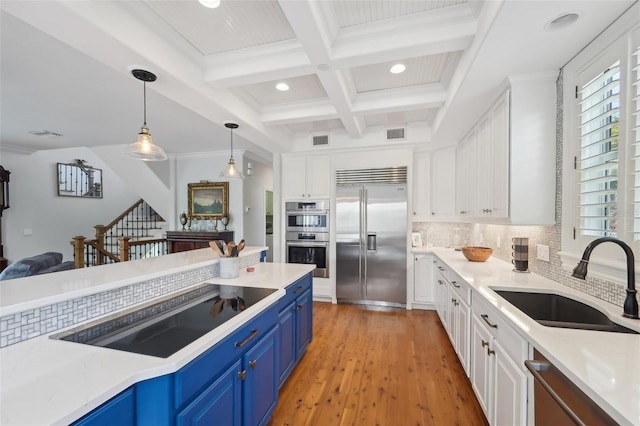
pixel 307 235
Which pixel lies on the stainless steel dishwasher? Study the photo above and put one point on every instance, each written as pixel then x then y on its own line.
pixel 558 401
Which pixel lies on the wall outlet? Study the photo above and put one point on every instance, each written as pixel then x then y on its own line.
pixel 498 241
pixel 543 252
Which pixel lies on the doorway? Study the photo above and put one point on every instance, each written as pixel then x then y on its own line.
pixel 268 197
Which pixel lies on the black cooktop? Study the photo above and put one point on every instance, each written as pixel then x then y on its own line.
pixel 166 327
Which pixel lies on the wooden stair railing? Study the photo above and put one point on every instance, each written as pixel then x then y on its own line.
pixel 128 229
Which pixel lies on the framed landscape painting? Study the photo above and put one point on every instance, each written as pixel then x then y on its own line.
pixel 209 200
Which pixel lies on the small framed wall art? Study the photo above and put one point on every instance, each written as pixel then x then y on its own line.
pixel 208 200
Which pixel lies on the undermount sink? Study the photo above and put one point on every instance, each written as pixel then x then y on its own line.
pixel 553 310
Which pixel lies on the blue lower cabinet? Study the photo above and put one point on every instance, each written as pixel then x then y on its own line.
pixel 286 342
pixel 260 388
pixel 295 319
pixel 220 404
pixel 119 410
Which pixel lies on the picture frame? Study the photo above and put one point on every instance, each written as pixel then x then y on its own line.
pixel 416 239
pixel 208 200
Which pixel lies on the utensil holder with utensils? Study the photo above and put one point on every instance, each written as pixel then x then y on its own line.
pixel 228 254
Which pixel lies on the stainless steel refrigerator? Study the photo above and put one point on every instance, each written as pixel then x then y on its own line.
pixel 371 243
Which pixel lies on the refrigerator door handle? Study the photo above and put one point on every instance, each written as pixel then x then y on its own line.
pixel 365 246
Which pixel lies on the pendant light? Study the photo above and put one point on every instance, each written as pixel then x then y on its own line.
pixel 231 172
pixel 144 148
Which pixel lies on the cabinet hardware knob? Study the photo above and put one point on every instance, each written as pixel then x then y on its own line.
pixel 298 289
pixel 490 351
pixel 433 213
pixel 242 374
pixel 484 343
pixel 253 363
pixel 485 317
pixel 299 307
pixel 455 284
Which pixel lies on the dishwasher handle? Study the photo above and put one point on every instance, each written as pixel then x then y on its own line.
pixel 534 367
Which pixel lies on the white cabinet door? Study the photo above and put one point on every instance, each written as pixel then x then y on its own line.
pixel 423 288
pixel 441 298
pixel 293 177
pixel 421 186
pixel 481 367
pixel 466 158
pixel 500 158
pixel 443 179
pixel 318 176
pixel 306 177
pixel 509 399
pixel 462 342
pixel 484 182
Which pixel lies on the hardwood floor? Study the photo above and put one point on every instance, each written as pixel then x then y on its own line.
pixel 377 366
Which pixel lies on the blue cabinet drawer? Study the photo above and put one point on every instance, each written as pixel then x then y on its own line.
pixel 192 378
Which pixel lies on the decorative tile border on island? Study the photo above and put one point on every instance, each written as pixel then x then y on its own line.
pixel 46 319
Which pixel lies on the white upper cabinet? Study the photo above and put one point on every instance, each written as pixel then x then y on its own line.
pixel 466 176
pixel 421 186
pixel 443 178
pixel 306 177
pixel 514 167
pixel 434 185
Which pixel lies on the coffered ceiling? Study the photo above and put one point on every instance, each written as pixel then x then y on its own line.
pixel 66 68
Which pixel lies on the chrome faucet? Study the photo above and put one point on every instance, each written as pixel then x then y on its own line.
pixel 630 308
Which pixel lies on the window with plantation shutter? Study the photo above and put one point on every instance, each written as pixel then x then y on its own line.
pixel 601 135
pixel 635 133
pixel 597 164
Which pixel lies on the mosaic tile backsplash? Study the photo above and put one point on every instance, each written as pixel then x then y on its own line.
pixel 442 235
pixel 46 319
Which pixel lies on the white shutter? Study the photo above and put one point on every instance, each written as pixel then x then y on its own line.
pixel 634 94
pixel 598 158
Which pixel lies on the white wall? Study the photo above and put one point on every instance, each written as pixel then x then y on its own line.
pixel 53 220
pixel 254 202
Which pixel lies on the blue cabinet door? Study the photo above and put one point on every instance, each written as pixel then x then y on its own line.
pixel 261 382
pixel 220 404
pixel 286 342
pixel 304 320
pixel 119 410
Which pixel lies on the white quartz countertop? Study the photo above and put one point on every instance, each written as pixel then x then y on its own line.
pixel 603 364
pixel 22 294
pixel 45 381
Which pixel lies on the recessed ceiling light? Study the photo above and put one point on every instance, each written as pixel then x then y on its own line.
pixel 397 68
pixel 283 87
pixel 211 4
pixel 562 21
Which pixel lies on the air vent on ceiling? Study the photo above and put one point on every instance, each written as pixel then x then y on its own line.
pixel 396 134
pixel 45 133
pixel 321 140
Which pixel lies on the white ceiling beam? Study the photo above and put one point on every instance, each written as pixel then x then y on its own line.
pixel 309 22
pixel 423 34
pixel 257 64
pixel 299 112
pixel 403 99
pixel 377 102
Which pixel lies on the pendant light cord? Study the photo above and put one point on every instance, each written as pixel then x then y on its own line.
pixel 231 143
pixel 144 95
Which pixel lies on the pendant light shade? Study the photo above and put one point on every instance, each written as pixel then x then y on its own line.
pixel 143 148
pixel 231 171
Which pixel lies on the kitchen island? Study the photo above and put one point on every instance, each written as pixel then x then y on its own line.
pixel 47 381
pixel 601 364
